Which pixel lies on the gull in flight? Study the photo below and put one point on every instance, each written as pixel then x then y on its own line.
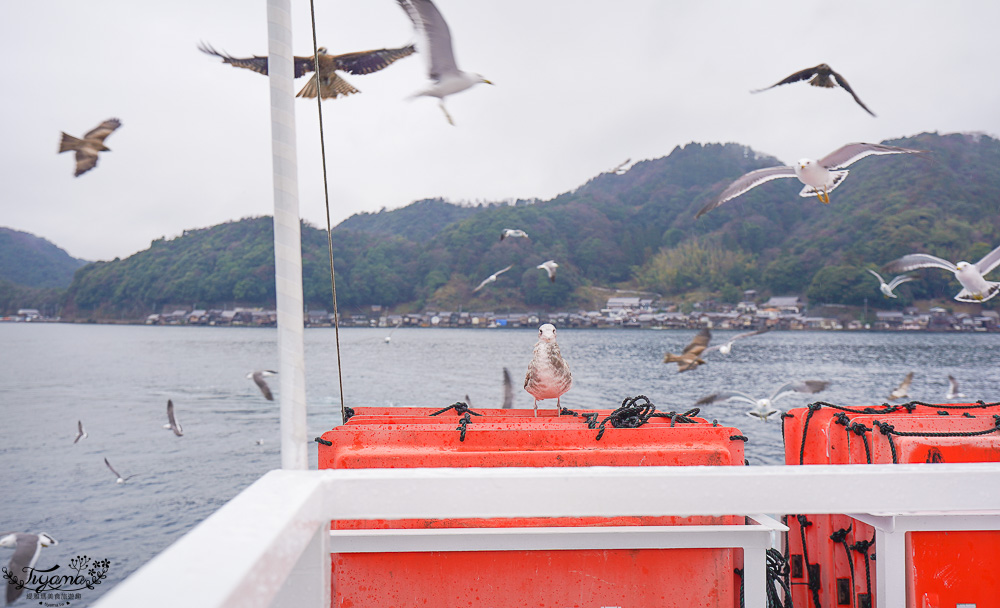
pixel 549 267
pixel 690 357
pixel 764 408
pixel 886 288
pixel 491 279
pixel 974 287
pixel 622 168
pixel 434 42
pixel 120 479
pixel 819 176
pixel 26 549
pixel 258 378
pixel 80 433
pixel 821 75
pixel 903 390
pixel 172 424
pixel 548 374
pixel 508 392
pixel 508 232
pixel 726 348
pixel 388 338
pixel 953 392
pixel 87 148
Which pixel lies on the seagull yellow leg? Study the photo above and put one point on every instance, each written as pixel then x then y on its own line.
pixel 452 123
pixel 826 197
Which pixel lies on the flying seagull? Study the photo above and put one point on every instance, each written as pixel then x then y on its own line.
pixel 26 549
pixel 258 378
pixel 819 176
pixel 508 232
pixel 821 75
pixel 172 424
pixel 764 408
pixel 726 348
pixel 622 168
pixel 549 267
pixel 491 279
pixel 548 374
pixel 690 357
pixel 953 392
pixel 974 287
pixel 903 390
pixel 434 39
pixel 508 392
pixel 331 85
pixel 120 479
pixel 388 338
pixel 886 288
pixel 87 148
pixel 80 433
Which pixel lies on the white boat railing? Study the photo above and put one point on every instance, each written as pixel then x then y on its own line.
pixel 271 545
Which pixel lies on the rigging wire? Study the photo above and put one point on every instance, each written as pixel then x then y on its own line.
pixel 326 196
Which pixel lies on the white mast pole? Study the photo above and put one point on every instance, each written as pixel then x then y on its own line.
pixel 287 238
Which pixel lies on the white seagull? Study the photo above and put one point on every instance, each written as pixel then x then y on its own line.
pixel 491 279
pixel 903 390
pixel 726 348
pixel 120 479
pixel 509 232
pixel 549 267
pixel 548 374
pixel 974 287
pixel 953 389
pixel 258 378
pixel 26 549
pixel 434 42
pixel 886 288
pixel 388 338
pixel 80 433
pixel 819 176
pixel 764 408
pixel 172 424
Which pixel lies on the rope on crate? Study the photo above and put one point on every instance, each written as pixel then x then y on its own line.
pixel 636 411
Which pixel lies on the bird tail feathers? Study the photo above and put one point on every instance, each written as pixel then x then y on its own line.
pixel 69 143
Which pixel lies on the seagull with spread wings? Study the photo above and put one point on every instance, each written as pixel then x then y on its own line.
pixel 726 348
pixel 258 379
pixel 119 479
pixel 80 432
pixel 953 392
pixel 331 85
pixel 549 267
pixel 26 547
pixel 764 408
pixel 87 148
pixel 513 233
pixel 690 357
pixel 975 288
pixel 886 288
pixel 172 424
pixel 434 40
pixel 903 390
pixel 491 279
pixel 819 176
pixel 823 76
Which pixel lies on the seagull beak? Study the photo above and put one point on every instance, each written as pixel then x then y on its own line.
pixel 487 81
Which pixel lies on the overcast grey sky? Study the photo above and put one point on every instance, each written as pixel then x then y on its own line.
pixel 581 85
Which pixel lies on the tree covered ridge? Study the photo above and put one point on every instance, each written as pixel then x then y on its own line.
pixel 30 261
pixel 636 230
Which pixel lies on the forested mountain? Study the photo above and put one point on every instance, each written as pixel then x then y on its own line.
pixel 636 230
pixel 30 261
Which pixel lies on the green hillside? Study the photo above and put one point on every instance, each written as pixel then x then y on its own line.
pixel 30 261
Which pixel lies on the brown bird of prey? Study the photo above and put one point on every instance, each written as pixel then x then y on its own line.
pixel 690 358
pixel 88 147
pixel 821 75
pixel 331 85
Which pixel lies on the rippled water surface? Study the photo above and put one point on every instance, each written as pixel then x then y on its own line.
pixel 117 379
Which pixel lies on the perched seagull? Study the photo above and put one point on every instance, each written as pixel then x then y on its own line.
pixel 819 176
pixel 80 433
pixel 953 389
pixel 690 357
pixel 507 232
pixel 120 479
pixel 172 424
pixel 726 348
pixel 764 408
pixel 549 267
pixel 331 85
pixel 886 288
pixel 903 390
pixel 820 76
pixel 434 39
pixel 548 374
pixel 26 549
pixel 88 147
pixel 258 378
pixel 491 279
pixel 974 287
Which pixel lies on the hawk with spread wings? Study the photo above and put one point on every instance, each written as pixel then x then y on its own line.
pixel 330 84
pixel 88 147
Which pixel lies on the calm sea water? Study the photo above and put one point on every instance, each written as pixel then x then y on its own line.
pixel 117 379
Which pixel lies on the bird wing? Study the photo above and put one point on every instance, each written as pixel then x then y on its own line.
pixel 366 62
pixel 698 344
pixel 25 555
pixel 508 390
pixel 843 83
pixel 899 280
pixel 258 379
pixel 111 467
pixel 748 181
pixel 797 76
pixel 85 161
pixel 953 385
pixel 435 37
pixel 905 384
pixel 806 386
pixel 919 260
pixel 849 154
pixel 876 275
pixel 79 430
pixel 176 428
pixel 102 130
pixel 750 333
pixel 257 63
pixel 726 396
pixel 990 261
pixel 484 283
pixel 500 272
